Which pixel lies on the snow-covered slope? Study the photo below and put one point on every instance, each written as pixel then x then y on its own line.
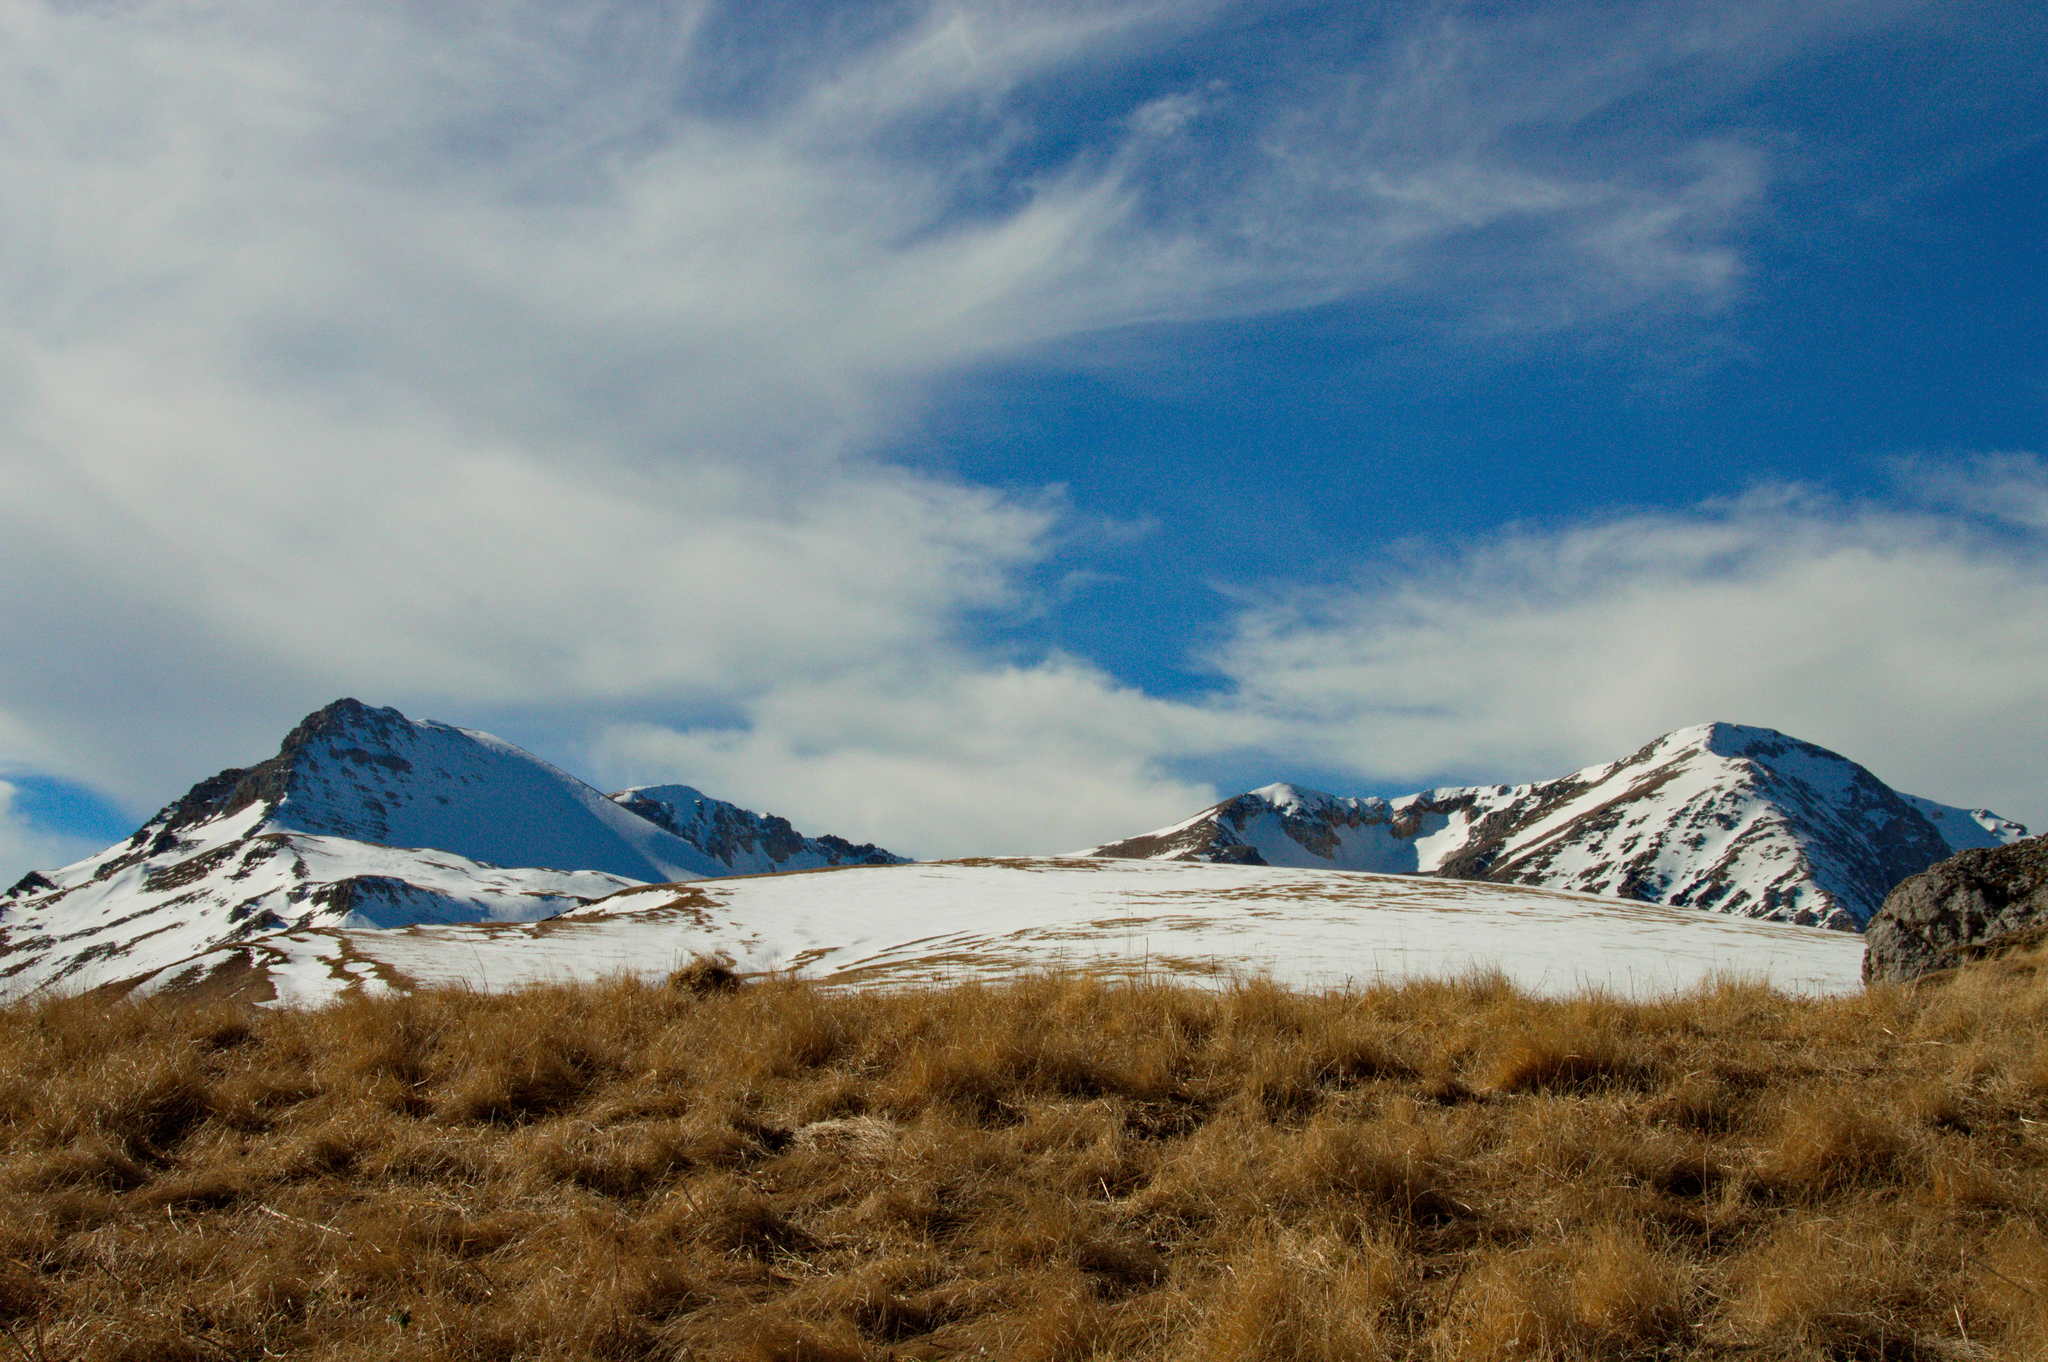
pixel 939 922
pixel 1745 821
pixel 367 818
pixel 1967 829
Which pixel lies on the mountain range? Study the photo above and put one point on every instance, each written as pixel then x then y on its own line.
pixel 368 818
pixel 1739 820
pixel 366 821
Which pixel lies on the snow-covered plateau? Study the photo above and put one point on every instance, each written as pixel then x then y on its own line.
pixel 983 920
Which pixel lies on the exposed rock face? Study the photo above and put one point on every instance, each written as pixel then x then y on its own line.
pixel 743 841
pixel 352 733
pixel 35 882
pixel 1972 905
pixel 1733 819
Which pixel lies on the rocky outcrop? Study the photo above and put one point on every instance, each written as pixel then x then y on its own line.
pixel 1971 906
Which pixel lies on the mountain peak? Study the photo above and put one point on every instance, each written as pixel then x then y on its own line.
pixel 1282 795
pixel 365 816
pixel 1725 739
pixel 1723 816
pixel 267 782
pixel 346 715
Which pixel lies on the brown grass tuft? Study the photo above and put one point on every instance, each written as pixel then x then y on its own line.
pixel 1296 1299
pixel 1627 1295
pixel 1830 1139
pixel 705 975
pixel 1566 1056
pixel 508 1076
pixel 1850 1289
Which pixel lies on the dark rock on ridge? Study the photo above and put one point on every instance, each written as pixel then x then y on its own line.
pixel 728 832
pixel 35 882
pixel 266 782
pixel 1973 905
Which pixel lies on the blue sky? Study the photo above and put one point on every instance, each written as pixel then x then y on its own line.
pixel 1001 427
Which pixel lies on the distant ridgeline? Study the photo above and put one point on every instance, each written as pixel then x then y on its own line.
pixel 367 820
pixel 1732 819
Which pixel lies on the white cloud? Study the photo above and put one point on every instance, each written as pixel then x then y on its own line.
pixel 385 352
pixel 506 356
pixel 2009 487
pixel 1909 638
pixel 950 761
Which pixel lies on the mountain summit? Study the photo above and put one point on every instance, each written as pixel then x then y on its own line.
pixel 1720 816
pixel 365 817
pixel 373 775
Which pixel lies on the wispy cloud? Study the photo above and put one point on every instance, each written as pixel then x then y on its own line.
pixel 529 356
pixel 1908 635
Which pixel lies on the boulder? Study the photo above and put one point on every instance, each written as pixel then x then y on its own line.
pixel 1973 905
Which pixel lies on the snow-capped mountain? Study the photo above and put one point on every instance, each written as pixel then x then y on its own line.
pixel 741 841
pixel 986 920
pixel 1738 820
pixel 368 818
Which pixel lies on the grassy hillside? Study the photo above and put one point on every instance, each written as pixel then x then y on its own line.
pixel 1059 1169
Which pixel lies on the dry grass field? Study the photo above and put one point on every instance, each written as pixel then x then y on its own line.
pixel 1058 1169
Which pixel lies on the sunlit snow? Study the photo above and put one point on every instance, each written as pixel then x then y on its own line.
pixel 945 922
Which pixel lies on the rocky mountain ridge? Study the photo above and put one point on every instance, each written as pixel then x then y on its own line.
pixel 740 840
pixel 368 819
pixel 1720 816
